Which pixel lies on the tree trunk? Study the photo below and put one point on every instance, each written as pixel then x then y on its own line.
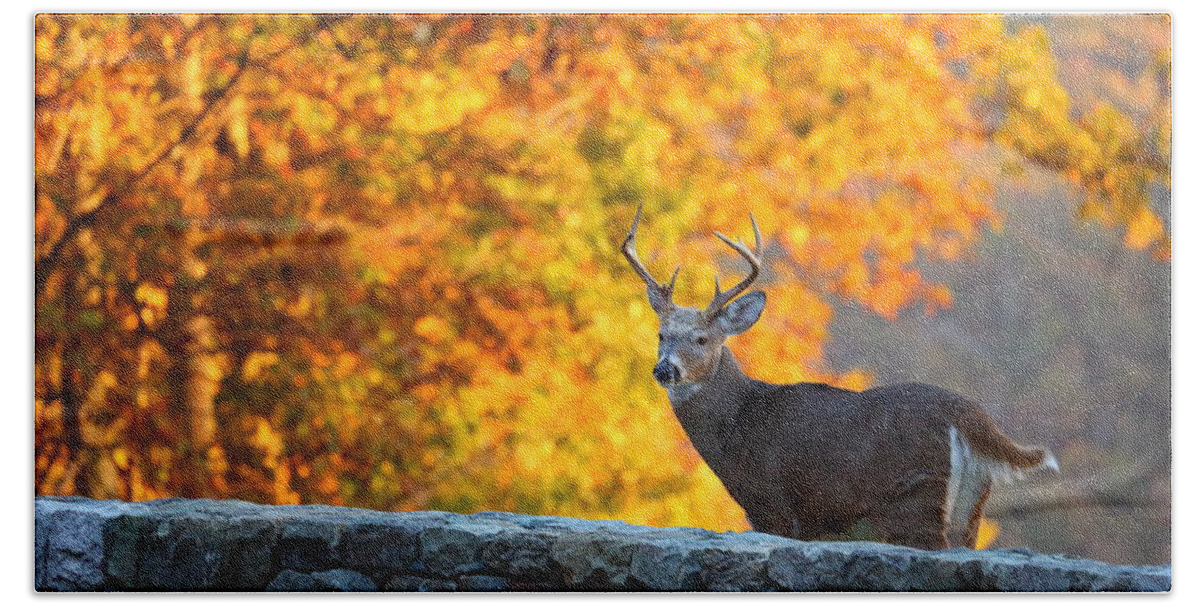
pixel 194 378
pixel 70 395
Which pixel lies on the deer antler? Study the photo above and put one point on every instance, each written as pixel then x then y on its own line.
pixel 721 298
pixel 663 302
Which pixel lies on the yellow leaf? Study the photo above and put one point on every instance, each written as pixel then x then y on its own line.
pixel 151 296
pixel 238 128
pixel 434 329
pixel 210 367
pixel 256 362
pixel 989 531
pixel 1144 229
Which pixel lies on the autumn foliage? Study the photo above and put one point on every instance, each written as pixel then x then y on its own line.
pixel 373 260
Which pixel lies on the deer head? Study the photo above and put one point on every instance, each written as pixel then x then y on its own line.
pixel 690 340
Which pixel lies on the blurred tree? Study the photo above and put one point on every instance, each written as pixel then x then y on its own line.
pixel 1115 161
pixel 370 260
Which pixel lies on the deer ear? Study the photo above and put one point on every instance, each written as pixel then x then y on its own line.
pixel 741 313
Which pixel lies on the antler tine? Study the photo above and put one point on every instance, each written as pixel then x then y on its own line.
pixel 629 248
pixel 721 298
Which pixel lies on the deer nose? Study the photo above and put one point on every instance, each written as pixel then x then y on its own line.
pixel 666 372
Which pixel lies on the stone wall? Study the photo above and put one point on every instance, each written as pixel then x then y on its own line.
pixel 225 545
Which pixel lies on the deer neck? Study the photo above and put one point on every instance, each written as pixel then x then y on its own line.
pixel 707 408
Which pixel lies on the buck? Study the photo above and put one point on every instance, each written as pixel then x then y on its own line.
pixel 911 463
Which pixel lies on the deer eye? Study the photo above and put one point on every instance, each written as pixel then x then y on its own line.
pixel 660 336
pixel 702 340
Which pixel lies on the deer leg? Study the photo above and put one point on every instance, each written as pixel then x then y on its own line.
pixel 915 518
pixel 962 519
pixel 972 532
pixel 769 523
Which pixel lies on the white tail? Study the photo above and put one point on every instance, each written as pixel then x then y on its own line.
pixel 915 462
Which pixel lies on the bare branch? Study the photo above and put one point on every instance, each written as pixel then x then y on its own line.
pixel 1122 488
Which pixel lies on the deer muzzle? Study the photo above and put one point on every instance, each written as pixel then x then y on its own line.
pixel 667 373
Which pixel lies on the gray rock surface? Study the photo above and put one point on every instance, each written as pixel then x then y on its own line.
pixel 228 545
pixel 408 582
pixel 343 580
